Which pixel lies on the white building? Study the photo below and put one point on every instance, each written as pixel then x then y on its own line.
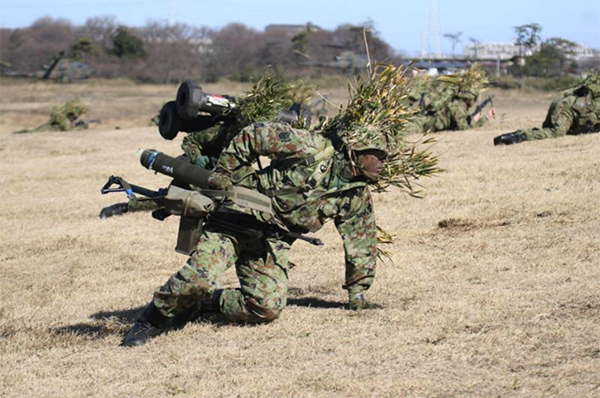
pixel 504 51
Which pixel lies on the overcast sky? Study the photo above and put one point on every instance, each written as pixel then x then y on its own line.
pixel 402 24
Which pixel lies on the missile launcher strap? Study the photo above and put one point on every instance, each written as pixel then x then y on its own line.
pixel 194 205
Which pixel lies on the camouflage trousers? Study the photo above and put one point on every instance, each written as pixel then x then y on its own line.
pixel 540 134
pixel 543 133
pixel 261 266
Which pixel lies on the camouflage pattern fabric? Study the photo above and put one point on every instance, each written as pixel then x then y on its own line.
pixel 209 142
pixel 261 266
pixel 445 110
pixel 455 116
pixel 310 183
pixel 571 115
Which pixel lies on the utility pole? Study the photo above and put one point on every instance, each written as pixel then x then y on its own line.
pixel 431 30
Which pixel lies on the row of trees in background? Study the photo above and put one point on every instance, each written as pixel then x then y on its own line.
pixel 551 59
pixel 162 53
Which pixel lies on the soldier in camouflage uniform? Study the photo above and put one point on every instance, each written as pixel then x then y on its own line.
pixel 63 118
pixel 576 112
pixel 449 110
pixel 446 107
pixel 311 179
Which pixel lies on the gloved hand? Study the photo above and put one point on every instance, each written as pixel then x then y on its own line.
pixel 114 210
pixel 360 302
pixel 220 181
pixel 202 161
pixel 510 138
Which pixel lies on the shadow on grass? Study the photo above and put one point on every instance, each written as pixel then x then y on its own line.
pixel 128 315
pixel 315 303
pixel 107 323
pixel 104 324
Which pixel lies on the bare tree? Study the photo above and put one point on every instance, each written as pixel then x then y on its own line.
pixel 28 50
pixel 476 43
pixel 234 51
pixel 454 39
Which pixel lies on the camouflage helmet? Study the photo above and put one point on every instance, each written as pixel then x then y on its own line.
pixel 589 84
pixel 368 137
pixel 469 84
pixel 592 83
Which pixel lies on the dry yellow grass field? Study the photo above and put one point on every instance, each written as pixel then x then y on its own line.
pixel 493 290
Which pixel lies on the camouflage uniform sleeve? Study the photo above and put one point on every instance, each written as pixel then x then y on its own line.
pixel 359 235
pixel 560 116
pixel 460 116
pixel 275 140
pixel 191 147
pixel 195 143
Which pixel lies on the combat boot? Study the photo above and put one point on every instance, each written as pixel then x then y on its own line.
pixel 510 138
pixel 149 325
pixel 197 311
pixel 360 302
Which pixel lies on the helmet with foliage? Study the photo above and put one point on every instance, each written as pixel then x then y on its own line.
pixel 468 85
pixel 369 137
pixel 63 117
pixel 588 84
pixel 592 83
pixel 376 117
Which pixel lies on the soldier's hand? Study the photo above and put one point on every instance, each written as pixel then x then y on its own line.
pixel 113 210
pixel 360 302
pixel 202 161
pixel 220 181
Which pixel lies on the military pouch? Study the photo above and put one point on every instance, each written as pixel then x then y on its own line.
pixel 193 207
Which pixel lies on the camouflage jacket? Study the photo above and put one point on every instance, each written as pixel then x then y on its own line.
pixel 570 114
pixel 574 115
pixel 455 116
pixel 310 183
pixel 209 142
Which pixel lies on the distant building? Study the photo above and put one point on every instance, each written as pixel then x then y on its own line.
pixel 504 51
pixel 291 30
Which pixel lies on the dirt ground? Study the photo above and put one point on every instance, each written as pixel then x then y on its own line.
pixel 492 291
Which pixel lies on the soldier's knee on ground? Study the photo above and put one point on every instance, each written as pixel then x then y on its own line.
pixel 263 311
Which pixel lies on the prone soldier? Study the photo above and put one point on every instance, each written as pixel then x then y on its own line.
pixel 577 111
pixel 448 106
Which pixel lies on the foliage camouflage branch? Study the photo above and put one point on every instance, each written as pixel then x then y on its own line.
pixel 382 102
